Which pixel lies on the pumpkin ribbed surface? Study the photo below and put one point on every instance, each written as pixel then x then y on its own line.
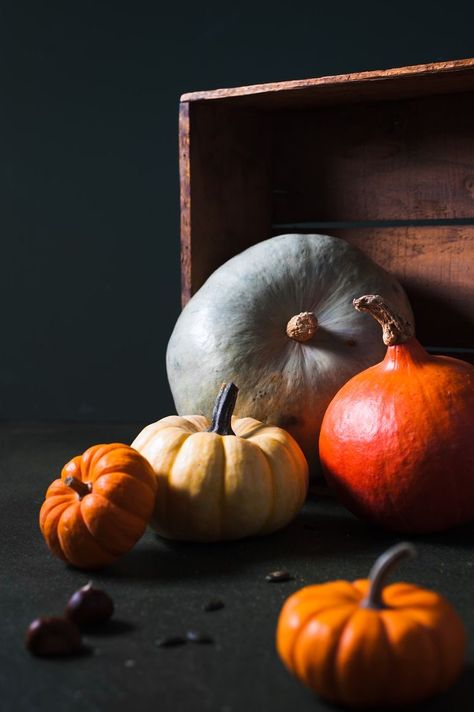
pixel 406 652
pixel 213 487
pixel 364 644
pixel 92 529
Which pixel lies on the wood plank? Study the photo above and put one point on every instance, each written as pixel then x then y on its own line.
pixel 436 267
pixel 411 81
pixel 411 159
pixel 225 188
pixel 185 202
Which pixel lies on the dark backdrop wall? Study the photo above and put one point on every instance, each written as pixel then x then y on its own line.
pixel 89 217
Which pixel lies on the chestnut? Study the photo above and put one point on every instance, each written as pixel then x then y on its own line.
pixel 53 635
pixel 89 606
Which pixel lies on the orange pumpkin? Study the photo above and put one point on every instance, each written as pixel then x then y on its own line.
pixel 360 644
pixel 100 507
pixel 396 441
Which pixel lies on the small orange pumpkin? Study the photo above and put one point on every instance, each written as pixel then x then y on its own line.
pixel 100 507
pixel 361 645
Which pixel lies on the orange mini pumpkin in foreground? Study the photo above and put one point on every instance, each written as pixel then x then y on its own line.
pixel 100 507
pixel 361 645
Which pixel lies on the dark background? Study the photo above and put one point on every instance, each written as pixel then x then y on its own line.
pixel 89 227
pixel 89 217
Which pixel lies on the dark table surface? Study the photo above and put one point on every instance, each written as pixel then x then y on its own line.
pixel 160 589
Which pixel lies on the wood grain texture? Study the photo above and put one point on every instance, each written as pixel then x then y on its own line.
pixel 400 82
pixel 395 145
pixel 185 202
pixel 436 267
pixel 225 189
pixel 410 159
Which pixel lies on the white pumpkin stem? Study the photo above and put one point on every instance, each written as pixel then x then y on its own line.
pixel 395 329
pixel 380 570
pixel 223 410
pixel 302 327
pixel 82 488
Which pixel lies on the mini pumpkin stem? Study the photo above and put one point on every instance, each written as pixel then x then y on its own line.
pixel 380 570
pixel 395 329
pixel 78 486
pixel 223 409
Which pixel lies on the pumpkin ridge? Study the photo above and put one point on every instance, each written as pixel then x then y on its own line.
pixel 313 615
pixel 296 462
pixel 163 486
pixel 95 469
pixel 103 550
pixel 104 547
pixel 125 479
pixel 89 462
pixel 53 505
pixel 429 635
pixel 343 672
pixel 333 653
pixel 396 604
pixel 197 428
pixel 222 492
pixel 139 523
pixel 107 472
pixel 57 488
pixel 49 525
pixel 272 492
pixel 394 659
pixel 257 428
pixel 73 467
pixel 59 526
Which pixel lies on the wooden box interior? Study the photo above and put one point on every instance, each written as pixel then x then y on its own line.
pixel 383 159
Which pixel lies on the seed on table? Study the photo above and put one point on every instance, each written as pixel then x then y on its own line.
pixel 278 576
pixel 194 636
pixel 214 605
pixel 171 641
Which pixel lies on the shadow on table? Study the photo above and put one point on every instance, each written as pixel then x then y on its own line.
pixel 460 698
pixel 322 530
pixel 457 699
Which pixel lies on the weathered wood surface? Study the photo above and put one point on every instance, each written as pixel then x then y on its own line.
pixel 436 267
pixel 411 159
pixel 415 80
pixel 225 189
pixel 248 172
pixel 185 202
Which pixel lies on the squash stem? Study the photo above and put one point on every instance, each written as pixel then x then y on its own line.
pixel 395 329
pixel 223 409
pixel 302 327
pixel 380 570
pixel 78 486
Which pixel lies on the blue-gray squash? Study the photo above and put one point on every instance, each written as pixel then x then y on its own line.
pixel 278 320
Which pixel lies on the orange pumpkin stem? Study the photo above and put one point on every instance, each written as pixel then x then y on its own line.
pixel 395 329
pixel 78 486
pixel 223 410
pixel 380 570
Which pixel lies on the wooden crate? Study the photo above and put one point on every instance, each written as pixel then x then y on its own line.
pixel 384 159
